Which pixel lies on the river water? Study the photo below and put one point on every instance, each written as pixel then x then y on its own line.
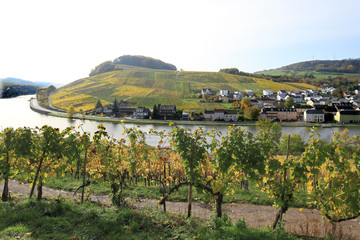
pixel 16 113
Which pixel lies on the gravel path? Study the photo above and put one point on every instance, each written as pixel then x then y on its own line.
pixel 308 222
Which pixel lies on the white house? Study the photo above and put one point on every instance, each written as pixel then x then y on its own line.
pixel 267 93
pixel 250 93
pixel 224 92
pixel 238 95
pixel 281 95
pixel 206 91
pixel 314 116
pixel 217 114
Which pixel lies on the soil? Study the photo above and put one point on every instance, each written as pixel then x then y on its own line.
pixel 308 222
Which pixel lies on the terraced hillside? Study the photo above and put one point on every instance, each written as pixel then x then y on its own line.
pixel 146 87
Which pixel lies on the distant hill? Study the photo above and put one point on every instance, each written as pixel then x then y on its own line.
pixel 146 62
pixel 319 68
pixel 13 87
pixel 129 60
pixel 147 87
pixel 18 81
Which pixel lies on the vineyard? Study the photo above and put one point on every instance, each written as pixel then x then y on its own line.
pixel 215 164
pixel 147 87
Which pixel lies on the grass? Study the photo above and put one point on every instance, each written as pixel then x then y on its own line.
pixel 64 219
pixel 253 196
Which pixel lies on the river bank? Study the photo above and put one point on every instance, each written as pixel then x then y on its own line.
pixel 35 106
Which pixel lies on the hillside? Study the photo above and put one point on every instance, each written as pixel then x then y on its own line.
pixel 147 87
pixel 320 68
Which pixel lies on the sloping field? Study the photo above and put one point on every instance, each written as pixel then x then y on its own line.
pixel 147 87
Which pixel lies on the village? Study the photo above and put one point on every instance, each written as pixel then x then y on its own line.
pixel 312 106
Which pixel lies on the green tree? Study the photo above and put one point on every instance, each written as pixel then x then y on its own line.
pixel 192 148
pixel 70 112
pixel 297 144
pixel 252 113
pixel 115 107
pixel 155 113
pixel 338 93
pixel 98 104
pixel 333 175
pixel 289 102
pixel 7 146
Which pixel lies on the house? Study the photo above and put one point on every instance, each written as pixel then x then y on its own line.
pixel 302 108
pixel 188 115
pixel 230 116
pixel 279 114
pixel 256 103
pixel 250 93
pixel 224 92
pixel 296 98
pixel 327 109
pixel 325 100
pixel 107 110
pixel 281 95
pixel 206 91
pixel 356 103
pixel 343 106
pixel 267 93
pixel 238 95
pixel 141 113
pixel 327 90
pixel 215 115
pixel 314 116
pixel 314 92
pixel 167 111
pixel 348 116
pixel 125 112
pixel 313 102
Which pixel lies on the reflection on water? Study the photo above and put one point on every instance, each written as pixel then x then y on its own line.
pixel 16 113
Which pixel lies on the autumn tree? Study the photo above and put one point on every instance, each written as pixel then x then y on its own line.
pixel 333 175
pixel 7 146
pixel 297 144
pixel 70 112
pixel 192 147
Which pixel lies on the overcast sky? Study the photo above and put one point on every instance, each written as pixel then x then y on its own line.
pixel 61 41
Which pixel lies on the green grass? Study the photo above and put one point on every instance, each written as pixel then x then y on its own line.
pixel 253 196
pixel 64 219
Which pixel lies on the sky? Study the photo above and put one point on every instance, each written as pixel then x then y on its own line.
pixel 61 41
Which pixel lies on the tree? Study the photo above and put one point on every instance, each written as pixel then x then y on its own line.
pixel 333 175
pixel 192 149
pixel 245 102
pixel 70 112
pixel 115 108
pixel 252 113
pixel 155 113
pixel 289 102
pixel 41 151
pixel 7 141
pixel 102 68
pixel 338 93
pixel 98 104
pixel 297 144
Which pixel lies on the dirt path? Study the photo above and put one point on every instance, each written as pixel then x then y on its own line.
pixel 308 222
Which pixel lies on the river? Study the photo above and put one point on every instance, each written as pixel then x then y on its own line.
pixel 15 112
